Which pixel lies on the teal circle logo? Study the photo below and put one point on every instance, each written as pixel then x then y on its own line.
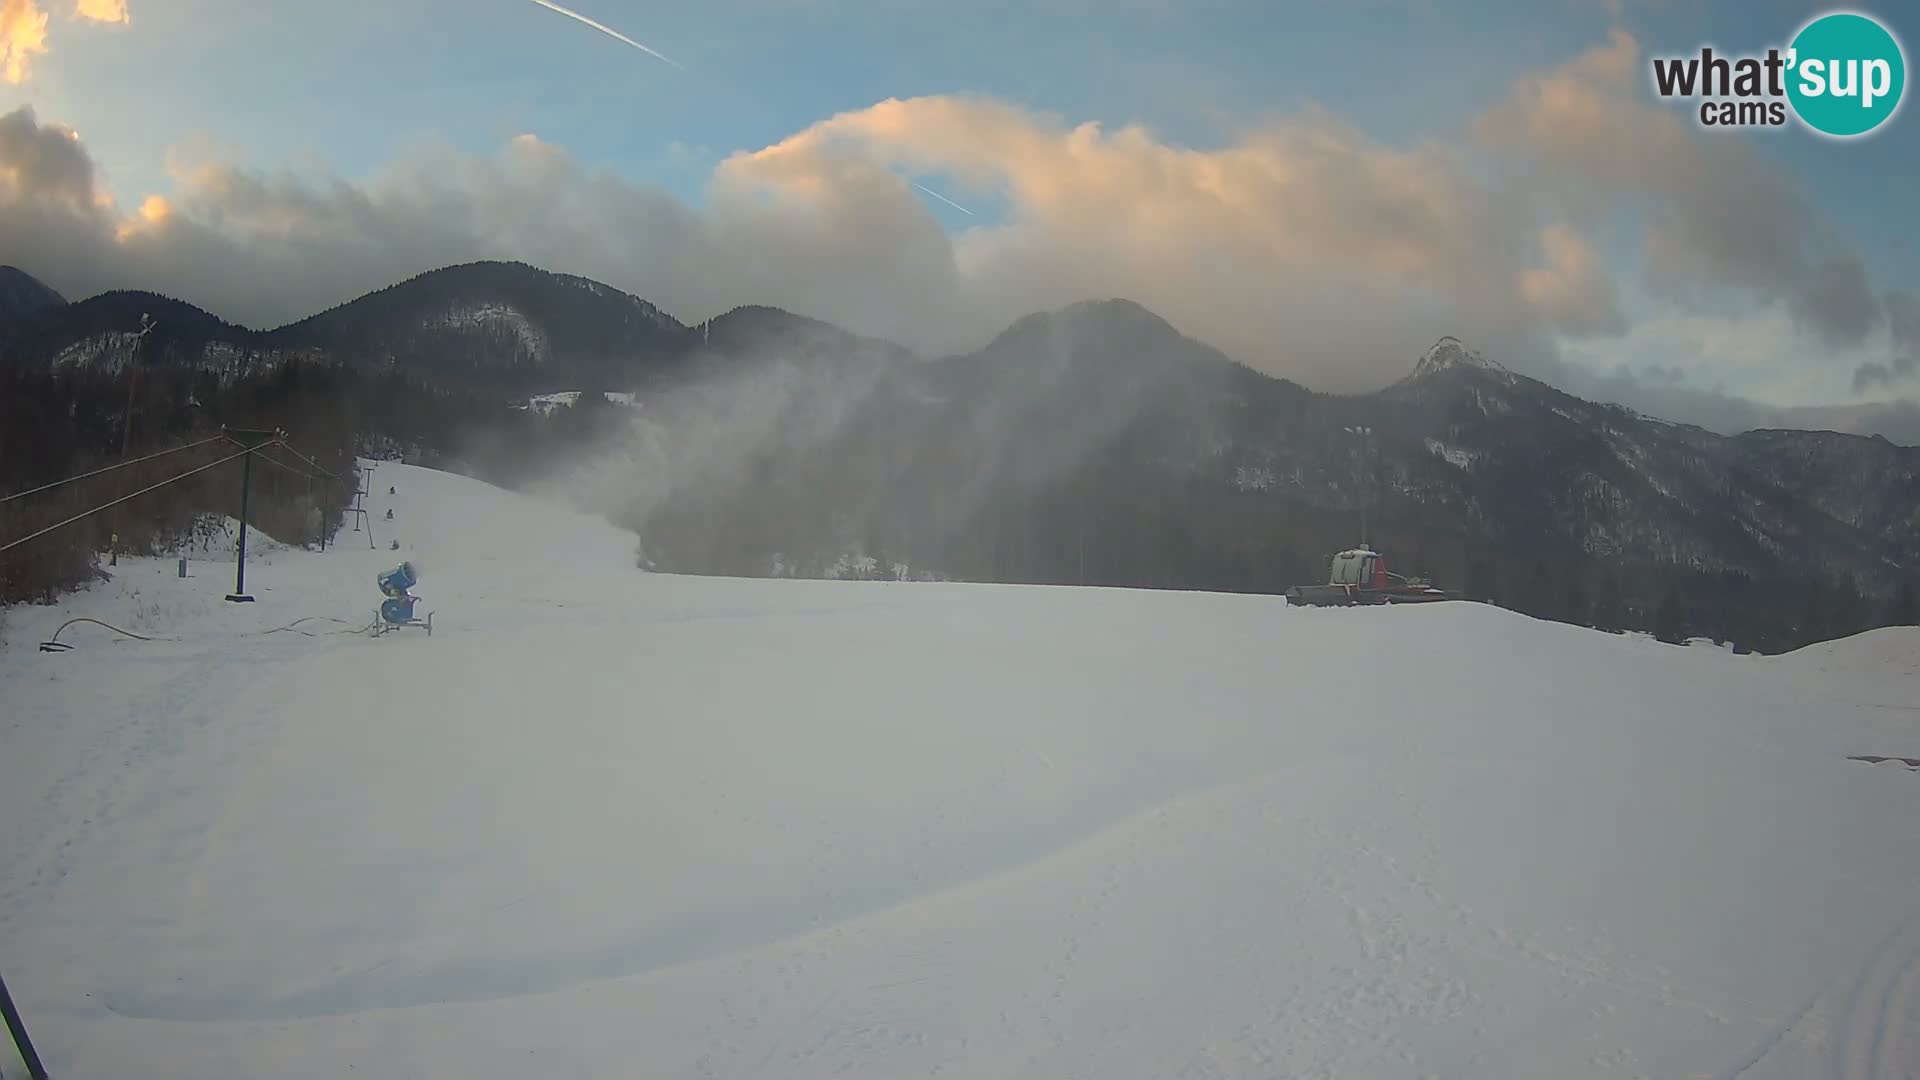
pixel 1846 76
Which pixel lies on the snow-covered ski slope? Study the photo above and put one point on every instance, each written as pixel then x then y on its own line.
pixel 613 824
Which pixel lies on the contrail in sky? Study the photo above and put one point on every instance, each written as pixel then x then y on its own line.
pixel 658 55
pixel 609 31
pixel 926 189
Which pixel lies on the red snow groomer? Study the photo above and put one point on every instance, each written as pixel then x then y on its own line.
pixel 1360 576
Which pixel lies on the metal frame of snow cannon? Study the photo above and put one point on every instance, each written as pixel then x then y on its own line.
pixel 382 626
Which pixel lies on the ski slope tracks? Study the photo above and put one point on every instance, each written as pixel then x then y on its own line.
pixel 605 823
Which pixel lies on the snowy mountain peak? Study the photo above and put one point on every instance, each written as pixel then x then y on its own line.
pixel 1449 353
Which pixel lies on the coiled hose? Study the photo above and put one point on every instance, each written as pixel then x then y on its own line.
pixel 54 644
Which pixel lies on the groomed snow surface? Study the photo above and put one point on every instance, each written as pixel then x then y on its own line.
pixel 613 824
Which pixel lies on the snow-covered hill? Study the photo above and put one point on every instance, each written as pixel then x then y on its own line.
pixel 615 824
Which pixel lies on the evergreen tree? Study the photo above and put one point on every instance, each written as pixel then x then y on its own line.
pixel 1849 613
pixel 1419 565
pixel 1480 582
pixel 1608 612
pixel 1815 621
pixel 1670 624
pixel 1905 610
pixel 1538 601
pixel 1291 568
pixel 1574 605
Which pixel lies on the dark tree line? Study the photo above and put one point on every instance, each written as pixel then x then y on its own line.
pixel 1117 522
pixel 55 425
pixel 1676 605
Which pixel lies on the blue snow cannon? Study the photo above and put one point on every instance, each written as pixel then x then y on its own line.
pixel 397 608
pixel 395 582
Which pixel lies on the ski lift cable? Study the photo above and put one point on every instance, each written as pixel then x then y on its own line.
pixel 11 544
pixel 262 452
pixel 108 469
pixel 288 447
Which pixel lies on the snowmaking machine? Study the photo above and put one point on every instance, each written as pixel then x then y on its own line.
pixel 1360 576
pixel 396 611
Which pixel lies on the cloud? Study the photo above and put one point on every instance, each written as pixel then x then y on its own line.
pixel 55 219
pixel 1871 374
pixel 1718 214
pixel 1670 367
pixel 1619 9
pixel 41 163
pixel 23 31
pixel 1656 393
pixel 1903 329
pixel 1303 247
pixel 23 36
pixel 1306 248
pixel 106 11
pixel 1574 289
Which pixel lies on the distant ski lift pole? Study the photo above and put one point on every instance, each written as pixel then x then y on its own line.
pixel 359 511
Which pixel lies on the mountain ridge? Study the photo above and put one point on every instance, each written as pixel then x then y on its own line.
pixel 22 295
pixel 1168 462
pixel 44 336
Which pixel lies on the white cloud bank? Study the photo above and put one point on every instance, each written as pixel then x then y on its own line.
pixel 1305 248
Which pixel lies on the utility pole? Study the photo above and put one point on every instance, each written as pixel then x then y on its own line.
pixel 251 441
pixel 1366 461
pixel 19 1029
pixel 126 422
pixel 133 374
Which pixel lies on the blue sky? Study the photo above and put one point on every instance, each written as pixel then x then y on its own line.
pixel 357 81
pixel 338 92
